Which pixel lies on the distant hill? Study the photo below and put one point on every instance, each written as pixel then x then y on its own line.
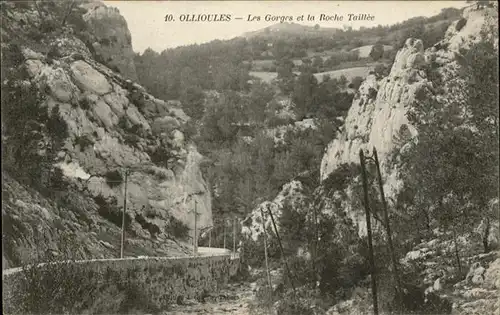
pixel 364 51
pixel 288 29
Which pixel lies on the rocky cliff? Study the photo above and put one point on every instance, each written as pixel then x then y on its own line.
pixel 378 115
pixel 112 132
pixel 112 42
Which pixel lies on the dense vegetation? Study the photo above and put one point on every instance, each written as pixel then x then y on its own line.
pixel 456 186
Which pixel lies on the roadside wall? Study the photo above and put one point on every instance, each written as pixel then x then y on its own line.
pixel 163 279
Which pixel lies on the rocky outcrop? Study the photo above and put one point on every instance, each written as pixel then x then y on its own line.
pixel 291 194
pixel 113 42
pixel 378 115
pixel 113 126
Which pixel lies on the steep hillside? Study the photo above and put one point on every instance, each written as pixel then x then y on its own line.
pixel 291 29
pixel 79 139
pixel 378 116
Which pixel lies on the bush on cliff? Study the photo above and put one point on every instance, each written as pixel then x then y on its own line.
pixel 31 136
pixel 113 178
pixel 177 228
pixel 111 212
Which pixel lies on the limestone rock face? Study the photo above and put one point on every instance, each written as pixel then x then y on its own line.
pixel 89 79
pixel 113 40
pixel 377 117
pixel 379 110
pixel 291 193
pixel 109 119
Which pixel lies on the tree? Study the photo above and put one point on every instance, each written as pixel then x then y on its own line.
pixel 192 99
pixel 377 52
pixel 356 82
pixel 304 92
pixel 343 80
pixel 317 63
pixel 260 95
pixel 285 74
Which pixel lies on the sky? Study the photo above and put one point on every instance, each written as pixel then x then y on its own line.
pixel 146 19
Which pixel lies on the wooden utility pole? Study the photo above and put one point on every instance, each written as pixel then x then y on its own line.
pixel 123 215
pixel 388 228
pixel 282 251
pixel 224 232
pixel 210 237
pixel 315 246
pixel 369 232
pixel 195 238
pixel 265 248
pixel 234 236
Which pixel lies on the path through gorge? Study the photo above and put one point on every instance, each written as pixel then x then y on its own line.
pixel 235 299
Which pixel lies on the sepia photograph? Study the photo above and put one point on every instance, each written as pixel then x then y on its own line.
pixel 250 157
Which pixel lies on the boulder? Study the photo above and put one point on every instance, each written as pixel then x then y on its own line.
pixel 89 79
pixel 34 67
pixel 104 113
pixel 113 40
pixel 60 85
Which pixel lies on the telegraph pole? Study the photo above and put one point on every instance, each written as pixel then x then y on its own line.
pixel 234 236
pixel 282 251
pixel 265 248
pixel 388 228
pixel 123 214
pixel 210 237
pixel 369 230
pixel 195 238
pixel 224 232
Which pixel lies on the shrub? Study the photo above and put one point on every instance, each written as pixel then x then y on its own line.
pixel 104 42
pixel 83 141
pixel 276 121
pixel 75 20
pixel 110 212
pixel 177 228
pixel 54 53
pixel 57 126
pixel 161 156
pixel 460 24
pixel 131 140
pixel 113 178
pixel 356 82
pixel 137 98
pixel 48 26
pixel 12 56
pixel 189 130
pixel 377 52
pixel 123 123
pixel 372 93
pixel 57 179
pixel 380 70
pixel 35 35
pixel 153 229
pixel 85 104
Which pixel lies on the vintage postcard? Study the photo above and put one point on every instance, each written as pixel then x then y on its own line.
pixel 250 157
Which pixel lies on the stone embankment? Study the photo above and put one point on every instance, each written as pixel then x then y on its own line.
pixel 167 280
